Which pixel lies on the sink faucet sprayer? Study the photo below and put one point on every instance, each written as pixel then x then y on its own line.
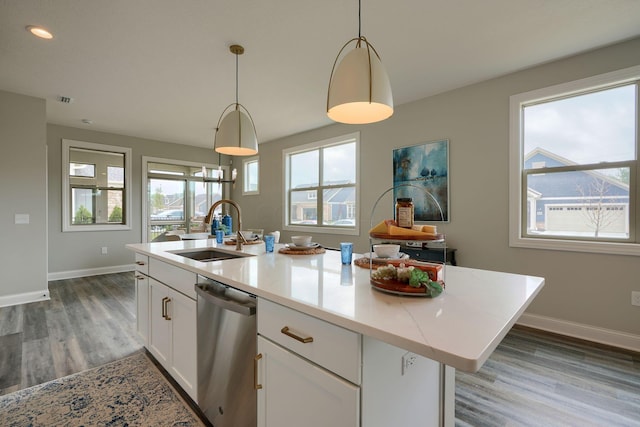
pixel 239 237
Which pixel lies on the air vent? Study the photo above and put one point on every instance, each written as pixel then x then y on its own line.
pixel 65 99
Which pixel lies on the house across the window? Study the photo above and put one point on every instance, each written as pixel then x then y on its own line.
pixel 576 203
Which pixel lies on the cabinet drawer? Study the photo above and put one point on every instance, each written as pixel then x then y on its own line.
pixel 142 264
pixel 334 348
pixel 181 280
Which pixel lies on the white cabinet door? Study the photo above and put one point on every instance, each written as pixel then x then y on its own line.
pixel 142 307
pixel 183 312
pixel 159 323
pixel 297 393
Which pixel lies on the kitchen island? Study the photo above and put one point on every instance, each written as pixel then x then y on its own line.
pixel 457 330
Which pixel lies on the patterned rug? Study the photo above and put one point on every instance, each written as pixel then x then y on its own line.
pixel 127 392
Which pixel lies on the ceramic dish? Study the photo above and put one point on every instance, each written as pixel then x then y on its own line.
pixel 401 255
pixel 295 247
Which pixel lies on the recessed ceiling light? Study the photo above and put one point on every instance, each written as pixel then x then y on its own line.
pixel 39 32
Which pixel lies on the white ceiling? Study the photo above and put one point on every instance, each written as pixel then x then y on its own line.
pixel 162 69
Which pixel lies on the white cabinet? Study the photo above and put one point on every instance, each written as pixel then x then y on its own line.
pixel 142 297
pixel 313 373
pixel 166 318
pixel 297 393
pixel 160 323
pixel 172 335
pixel 301 366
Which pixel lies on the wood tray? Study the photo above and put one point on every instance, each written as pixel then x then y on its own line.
pixel 250 242
pixel 399 288
pixel 403 237
pixel 310 251
pixel 433 269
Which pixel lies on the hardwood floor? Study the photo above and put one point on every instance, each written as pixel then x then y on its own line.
pixel 539 379
pixel 532 379
pixel 87 322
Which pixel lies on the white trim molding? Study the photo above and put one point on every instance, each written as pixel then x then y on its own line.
pixel 71 274
pixel 581 331
pixel 24 298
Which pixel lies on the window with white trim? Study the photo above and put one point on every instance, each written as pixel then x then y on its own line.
pixel 573 165
pixel 250 176
pixel 321 186
pixel 96 187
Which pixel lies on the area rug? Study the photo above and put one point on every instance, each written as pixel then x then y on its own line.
pixel 127 392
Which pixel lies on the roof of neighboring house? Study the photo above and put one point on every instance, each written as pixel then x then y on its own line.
pixel 580 184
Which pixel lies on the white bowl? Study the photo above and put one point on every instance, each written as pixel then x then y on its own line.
pixel 301 240
pixel 386 250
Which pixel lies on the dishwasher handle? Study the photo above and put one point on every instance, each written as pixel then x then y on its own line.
pixel 223 300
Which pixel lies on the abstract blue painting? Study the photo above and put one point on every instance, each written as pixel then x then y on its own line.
pixel 422 173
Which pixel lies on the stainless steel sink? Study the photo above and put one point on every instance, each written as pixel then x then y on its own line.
pixel 210 254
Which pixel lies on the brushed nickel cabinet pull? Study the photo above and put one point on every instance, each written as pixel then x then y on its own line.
pixel 255 372
pixel 288 333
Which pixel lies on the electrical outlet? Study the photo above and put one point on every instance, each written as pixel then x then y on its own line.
pixel 408 360
pixel 635 298
pixel 104 250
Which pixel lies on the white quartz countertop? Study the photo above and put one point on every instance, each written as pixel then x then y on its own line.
pixel 460 328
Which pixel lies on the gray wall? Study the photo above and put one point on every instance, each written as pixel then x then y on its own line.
pixel 591 289
pixel 23 190
pixel 72 252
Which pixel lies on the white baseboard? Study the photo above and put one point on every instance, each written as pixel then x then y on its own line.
pixel 71 274
pixel 581 331
pixel 24 298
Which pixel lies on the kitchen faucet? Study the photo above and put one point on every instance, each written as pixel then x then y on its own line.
pixel 239 237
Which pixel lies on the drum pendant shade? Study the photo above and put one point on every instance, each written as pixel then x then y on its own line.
pixel 236 133
pixel 359 91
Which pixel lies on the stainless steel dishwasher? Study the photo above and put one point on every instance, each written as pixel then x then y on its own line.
pixel 226 348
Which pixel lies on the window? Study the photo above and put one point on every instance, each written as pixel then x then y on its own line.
pixel 321 186
pixel 96 183
pixel 574 165
pixel 250 176
pixel 177 198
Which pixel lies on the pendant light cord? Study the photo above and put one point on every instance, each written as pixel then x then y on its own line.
pixel 236 78
pixel 359 18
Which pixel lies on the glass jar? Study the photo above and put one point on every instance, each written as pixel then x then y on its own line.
pixel 404 212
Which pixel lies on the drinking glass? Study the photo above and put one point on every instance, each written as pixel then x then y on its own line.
pixel 346 252
pixel 269 241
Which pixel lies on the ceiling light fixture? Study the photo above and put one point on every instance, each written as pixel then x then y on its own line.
pixel 236 133
pixel 359 90
pixel 41 32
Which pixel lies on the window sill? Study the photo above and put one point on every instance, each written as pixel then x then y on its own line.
pixel 608 248
pixel 322 230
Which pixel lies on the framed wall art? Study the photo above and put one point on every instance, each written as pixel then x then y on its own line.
pixel 423 167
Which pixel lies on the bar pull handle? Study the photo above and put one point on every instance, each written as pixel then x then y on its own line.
pixel 139 277
pixel 303 340
pixel 140 262
pixel 255 372
pixel 165 307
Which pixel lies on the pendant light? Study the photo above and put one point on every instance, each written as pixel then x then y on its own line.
pixel 236 133
pixel 359 90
